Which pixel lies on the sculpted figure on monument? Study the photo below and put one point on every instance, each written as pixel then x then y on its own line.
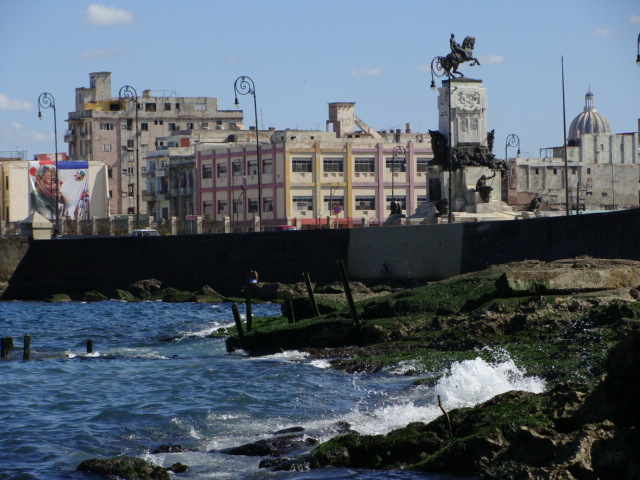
pixel 438 144
pixel 459 54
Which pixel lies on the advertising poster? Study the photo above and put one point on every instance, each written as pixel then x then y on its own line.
pixel 71 191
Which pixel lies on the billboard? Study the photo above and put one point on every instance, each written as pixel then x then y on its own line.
pixel 71 191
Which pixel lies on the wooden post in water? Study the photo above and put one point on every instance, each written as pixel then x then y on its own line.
pixel 4 347
pixel 347 292
pixel 236 317
pixel 89 346
pixel 247 288
pixel 312 297
pixel 290 313
pixel 26 352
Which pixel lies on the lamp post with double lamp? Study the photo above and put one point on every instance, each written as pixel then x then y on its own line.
pixel 46 100
pixel 245 86
pixel 399 156
pixel 128 94
pixel 438 70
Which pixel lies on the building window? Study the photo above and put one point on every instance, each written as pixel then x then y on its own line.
pixel 221 170
pixel 267 166
pixel 158 122
pixel 555 171
pixel 130 143
pixel 109 172
pixel 205 125
pixel 574 170
pixel 365 165
pixel 331 201
pixel 422 199
pixel 422 164
pixel 253 167
pixel 236 168
pixel 267 204
pixel 130 188
pixel 106 147
pixel 167 107
pixel 173 126
pixel 190 126
pixel 588 171
pixel 222 207
pixel 237 205
pixel 605 194
pixel 396 164
pixel 365 203
pixel 207 171
pixel 303 203
pixel 400 200
pixel 150 107
pixel 207 208
pixel 301 165
pixel 332 165
pixel 252 205
pixel 106 126
pixel 536 171
pixel 200 107
pixel 144 126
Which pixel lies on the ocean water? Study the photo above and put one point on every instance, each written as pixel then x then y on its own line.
pixel 154 378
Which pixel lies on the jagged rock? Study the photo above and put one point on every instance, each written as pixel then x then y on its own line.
pixel 127 468
pixel 273 447
pixel 145 289
pixel 170 448
pixel 208 295
pixel 269 291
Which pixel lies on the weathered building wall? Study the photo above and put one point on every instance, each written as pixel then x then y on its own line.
pixel 429 252
pixel 11 252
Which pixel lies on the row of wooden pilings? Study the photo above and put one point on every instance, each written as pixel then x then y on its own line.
pixel 6 345
pixel 289 309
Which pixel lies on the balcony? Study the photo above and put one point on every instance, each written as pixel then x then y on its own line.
pixel 149 195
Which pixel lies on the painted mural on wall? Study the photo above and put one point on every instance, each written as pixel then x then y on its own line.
pixel 73 193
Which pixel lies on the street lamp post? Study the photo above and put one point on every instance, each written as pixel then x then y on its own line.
pixel 638 59
pixel 46 100
pixel 128 94
pixel 399 153
pixel 512 141
pixel 245 86
pixel 438 70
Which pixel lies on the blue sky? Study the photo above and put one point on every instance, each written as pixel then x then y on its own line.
pixel 304 54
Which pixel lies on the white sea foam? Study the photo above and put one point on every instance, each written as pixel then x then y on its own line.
pixel 468 383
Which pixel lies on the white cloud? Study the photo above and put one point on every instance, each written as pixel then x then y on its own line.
pixel 14 134
pixel 101 53
pixel 634 18
pixel 98 14
pixel 366 72
pixel 603 31
pixel 7 103
pixel 492 59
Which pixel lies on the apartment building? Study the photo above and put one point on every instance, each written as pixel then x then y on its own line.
pixel 312 179
pixel 104 126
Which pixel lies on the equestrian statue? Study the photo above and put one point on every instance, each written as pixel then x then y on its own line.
pixel 459 54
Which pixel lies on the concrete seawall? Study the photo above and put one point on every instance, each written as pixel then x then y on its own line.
pixel 379 254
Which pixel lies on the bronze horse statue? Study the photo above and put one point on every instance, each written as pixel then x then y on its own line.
pixel 459 54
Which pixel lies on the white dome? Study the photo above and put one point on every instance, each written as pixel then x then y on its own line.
pixel 589 121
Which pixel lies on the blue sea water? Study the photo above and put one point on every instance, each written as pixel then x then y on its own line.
pixel 155 378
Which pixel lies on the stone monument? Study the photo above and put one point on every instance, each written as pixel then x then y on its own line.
pixel 462 145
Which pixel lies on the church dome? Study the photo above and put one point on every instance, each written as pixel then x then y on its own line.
pixel 589 121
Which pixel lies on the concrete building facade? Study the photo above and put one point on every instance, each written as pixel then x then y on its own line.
pixel 602 169
pixel 103 128
pixel 313 179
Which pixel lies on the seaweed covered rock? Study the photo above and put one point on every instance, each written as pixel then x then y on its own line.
pixel 128 468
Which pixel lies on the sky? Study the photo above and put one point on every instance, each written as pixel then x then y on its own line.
pixel 304 54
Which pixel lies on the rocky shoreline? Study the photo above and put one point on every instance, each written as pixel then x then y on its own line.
pixel 573 323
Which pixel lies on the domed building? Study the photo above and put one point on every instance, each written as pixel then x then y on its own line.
pixel 588 122
pixel 601 171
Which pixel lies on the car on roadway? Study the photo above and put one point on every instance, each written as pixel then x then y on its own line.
pixel 144 232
